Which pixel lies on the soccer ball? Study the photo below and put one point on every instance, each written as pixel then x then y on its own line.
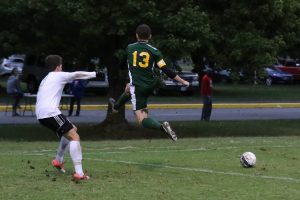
pixel 248 159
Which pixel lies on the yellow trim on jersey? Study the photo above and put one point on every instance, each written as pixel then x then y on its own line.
pixel 161 63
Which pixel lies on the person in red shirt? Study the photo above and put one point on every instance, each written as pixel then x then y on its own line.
pixel 206 93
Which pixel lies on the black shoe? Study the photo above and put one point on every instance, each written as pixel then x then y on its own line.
pixel 112 102
pixel 77 115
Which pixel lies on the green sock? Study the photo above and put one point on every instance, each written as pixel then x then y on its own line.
pixel 151 123
pixel 122 100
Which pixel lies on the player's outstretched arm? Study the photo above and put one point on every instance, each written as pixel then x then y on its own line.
pixel 173 75
pixel 83 75
pixel 182 81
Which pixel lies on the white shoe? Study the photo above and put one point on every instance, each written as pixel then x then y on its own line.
pixel 167 128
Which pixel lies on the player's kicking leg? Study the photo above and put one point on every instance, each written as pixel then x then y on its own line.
pixel 147 122
pixel 167 128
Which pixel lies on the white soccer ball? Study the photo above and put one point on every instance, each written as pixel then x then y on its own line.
pixel 248 159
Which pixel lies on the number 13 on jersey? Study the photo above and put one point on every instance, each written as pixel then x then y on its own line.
pixel 145 57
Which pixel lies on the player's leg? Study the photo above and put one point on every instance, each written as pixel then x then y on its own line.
pixel 64 143
pixel 59 124
pixel 64 128
pixel 147 122
pixel 58 162
pixel 124 97
pixel 139 98
pixel 76 154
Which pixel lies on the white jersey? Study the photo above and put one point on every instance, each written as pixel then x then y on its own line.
pixel 51 89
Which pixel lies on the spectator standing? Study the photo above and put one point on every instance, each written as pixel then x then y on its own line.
pixel 13 89
pixel 206 93
pixel 77 89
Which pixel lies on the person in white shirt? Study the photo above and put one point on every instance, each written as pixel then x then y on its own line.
pixel 49 115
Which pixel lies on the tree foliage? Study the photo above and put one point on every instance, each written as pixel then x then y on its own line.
pixel 232 33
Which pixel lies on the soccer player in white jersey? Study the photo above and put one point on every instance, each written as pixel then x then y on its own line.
pixel 49 115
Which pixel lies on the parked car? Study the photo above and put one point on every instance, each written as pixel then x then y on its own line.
pixel 184 69
pixel 275 75
pixel 290 66
pixel 99 83
pixel 8 64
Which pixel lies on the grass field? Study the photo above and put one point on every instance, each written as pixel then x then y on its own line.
pixel 194 168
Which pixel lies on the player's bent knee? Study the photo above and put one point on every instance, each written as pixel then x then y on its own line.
pixel 75 128
pixel 72 135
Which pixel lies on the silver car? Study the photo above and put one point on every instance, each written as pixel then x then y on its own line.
pixel 8 64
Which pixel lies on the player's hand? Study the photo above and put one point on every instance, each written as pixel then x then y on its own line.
pixel 186 83
pixel 99 74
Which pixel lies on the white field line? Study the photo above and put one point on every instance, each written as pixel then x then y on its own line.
pixel 185 150
pixel 202 170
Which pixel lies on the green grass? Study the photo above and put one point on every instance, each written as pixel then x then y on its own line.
pixel 195 168
pixel 200 165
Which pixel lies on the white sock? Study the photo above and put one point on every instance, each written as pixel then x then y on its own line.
pixel 63 146
pixel 76 156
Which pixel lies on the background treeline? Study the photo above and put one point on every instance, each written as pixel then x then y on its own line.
pixel 233 33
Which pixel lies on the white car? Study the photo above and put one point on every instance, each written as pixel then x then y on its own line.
pixel 99 82
pixel 8 64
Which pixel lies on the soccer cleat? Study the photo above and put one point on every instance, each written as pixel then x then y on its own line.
pixel 112 103
pixel 167 128
pixel 77 177
pixel 58 166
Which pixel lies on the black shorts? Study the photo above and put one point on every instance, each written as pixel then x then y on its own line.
pixel 59 124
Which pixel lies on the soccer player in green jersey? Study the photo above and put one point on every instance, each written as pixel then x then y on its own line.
pixel 141 60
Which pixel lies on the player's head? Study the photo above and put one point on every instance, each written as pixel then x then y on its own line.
pixel 143 32
pixel 53 62
pixel 14 71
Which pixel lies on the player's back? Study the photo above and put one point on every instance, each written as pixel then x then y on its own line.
pixel 49 94
pixel 141 59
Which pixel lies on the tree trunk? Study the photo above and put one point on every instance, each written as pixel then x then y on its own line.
pixel 117 82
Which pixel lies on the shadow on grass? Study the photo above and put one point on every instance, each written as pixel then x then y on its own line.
pixel 94 132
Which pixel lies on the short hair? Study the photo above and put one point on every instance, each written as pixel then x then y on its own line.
pixel 52 61
pixel 143 31
pixel 14 71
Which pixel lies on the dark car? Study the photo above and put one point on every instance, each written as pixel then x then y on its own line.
pixel 34 71
pixel 275 75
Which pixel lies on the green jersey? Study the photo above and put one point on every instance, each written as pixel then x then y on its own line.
pixel 141 59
